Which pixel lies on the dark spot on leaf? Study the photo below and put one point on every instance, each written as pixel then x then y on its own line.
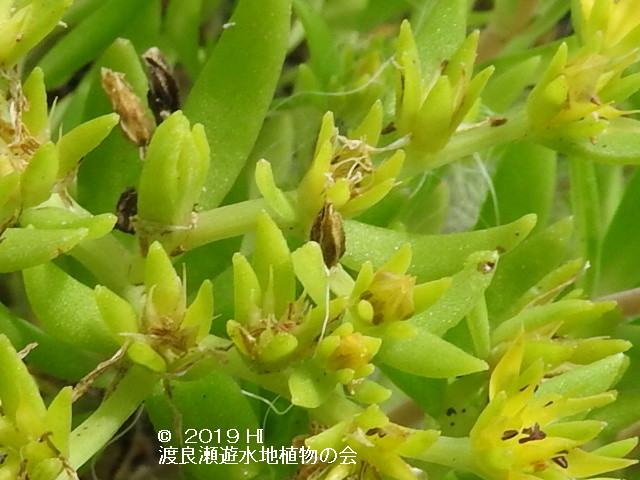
pixel 507 434
pixel 451 411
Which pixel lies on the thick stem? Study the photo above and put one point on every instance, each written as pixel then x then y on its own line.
pixel 467 142
pixel 240 218
pixel 219 223
pixel 96 431
pixel 586 209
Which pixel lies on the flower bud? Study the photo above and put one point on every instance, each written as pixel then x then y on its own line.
pixel 174 172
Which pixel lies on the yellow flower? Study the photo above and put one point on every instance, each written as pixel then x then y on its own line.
pixel 165 335
pixel 370 446
pixel 342 171
pixel 34 438
pixel 521 435
pixel 618 21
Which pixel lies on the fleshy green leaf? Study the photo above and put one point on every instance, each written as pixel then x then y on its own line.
pixel 324 57
pixel 238 88
pixel 428 355
pixel 440 28
pixel 524 182
pixel 58 420
pixel 26 247
pixel 60 218
pixel 618 144
pixel 620 254
pixel 81 140
pixel 36 118
pixel 199 403
pixel 52 356
pixel 18 389
pixel 67 308
pixel 40 175
pixel 119 316
pixel 434 256
pixel 310 386
pixel 467 289
pixel 311 271
pixel 525 265
pixel 271 261
pixel 591 379
pixel 88 39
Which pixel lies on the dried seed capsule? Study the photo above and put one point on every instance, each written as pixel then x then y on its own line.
pixel 328 231
pixel 164 93
pixel 126 208
pixel 134 122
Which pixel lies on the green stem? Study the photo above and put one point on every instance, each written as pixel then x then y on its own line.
pixel 219 223
pixel 96 431
pixel 467 142
pixel 586 208
pixel 611 185
pixel 240 218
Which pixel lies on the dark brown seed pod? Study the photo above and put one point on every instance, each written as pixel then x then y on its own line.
pixel 164 93
pixel 328 231
pixel 126 208
pixel 135 124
